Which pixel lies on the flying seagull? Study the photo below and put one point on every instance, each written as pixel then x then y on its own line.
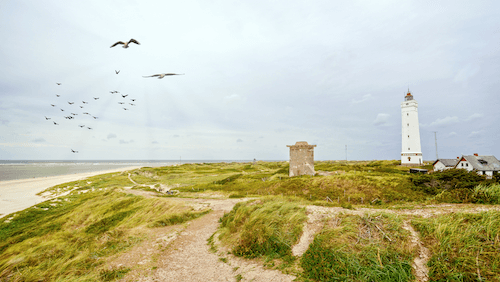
pixel 125 109
pixel 89 127
pixel 125 45
pixel 85 102
pixel 62 110
pixel 81 107
pixel 116 71
pixel 74 151
pixel 58 95
pixel 131 104
pixel 133 100
pixel 94 117
pixel 121 103
pixel 58 83
pixel 55 123
pixel 74 114
pixel 124 96
pixel 47 118
pixel 52 105
pixel 96 98
pixel 71 103
pixel 162 75
pixel 82 126
pixel 113 92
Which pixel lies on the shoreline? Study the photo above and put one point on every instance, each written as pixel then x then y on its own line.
pixel 17 195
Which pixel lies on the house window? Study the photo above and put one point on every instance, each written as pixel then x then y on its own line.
pixel 407 114
pixel 408 136
pixel 462 164
pixel 407 124
pixel 467 164
pixel 408 149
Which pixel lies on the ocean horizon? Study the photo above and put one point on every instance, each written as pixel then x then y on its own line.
pixel 24 169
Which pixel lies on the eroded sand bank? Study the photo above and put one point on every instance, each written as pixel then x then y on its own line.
pixel 17 195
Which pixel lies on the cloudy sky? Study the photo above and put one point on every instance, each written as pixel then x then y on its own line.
pixel 259 75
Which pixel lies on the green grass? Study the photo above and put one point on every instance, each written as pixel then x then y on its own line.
pixel 71 237
pixel 267 227
pixel 360 248
pixel 487 194
pixel 464 247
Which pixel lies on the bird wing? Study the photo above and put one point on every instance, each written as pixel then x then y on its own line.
pixel 119 42
pixel 150 75
pixel 134 41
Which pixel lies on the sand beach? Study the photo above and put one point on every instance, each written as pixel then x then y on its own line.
pixel 17 195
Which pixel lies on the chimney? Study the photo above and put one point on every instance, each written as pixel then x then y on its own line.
pixel 475 154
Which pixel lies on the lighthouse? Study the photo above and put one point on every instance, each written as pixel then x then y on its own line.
pixel 411 153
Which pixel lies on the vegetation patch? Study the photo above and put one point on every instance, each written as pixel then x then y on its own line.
pixel 263 228
pixel 71 237
pixel 360 248
pixel 174 219
pixel 464 247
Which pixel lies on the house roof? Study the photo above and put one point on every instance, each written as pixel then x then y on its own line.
pixel 483 162
pixel 447 162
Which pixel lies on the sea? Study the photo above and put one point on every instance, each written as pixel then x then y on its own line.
pixel 14 170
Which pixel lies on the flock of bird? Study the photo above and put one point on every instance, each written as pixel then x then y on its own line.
pixel 84 104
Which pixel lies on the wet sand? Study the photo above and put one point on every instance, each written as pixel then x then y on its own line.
pixel 17 195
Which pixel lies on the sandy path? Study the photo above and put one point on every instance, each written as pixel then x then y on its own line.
pixel 191 259
pixel 17 195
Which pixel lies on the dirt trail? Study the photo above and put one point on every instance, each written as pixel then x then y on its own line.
pixel 184 255
pixel 189 257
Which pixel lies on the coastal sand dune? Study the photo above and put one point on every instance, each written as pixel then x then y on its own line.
pixel 17 195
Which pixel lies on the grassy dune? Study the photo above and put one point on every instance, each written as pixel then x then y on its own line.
pixel 71 237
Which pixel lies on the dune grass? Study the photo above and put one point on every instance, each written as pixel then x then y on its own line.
pixel 266 227
pixel 70 238
pixel 360 248
pixel 464 247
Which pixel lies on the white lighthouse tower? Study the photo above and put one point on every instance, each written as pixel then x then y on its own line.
pixel 411 153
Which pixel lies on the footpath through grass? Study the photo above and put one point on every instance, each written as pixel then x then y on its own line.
pixel 70 238
pixel 464 247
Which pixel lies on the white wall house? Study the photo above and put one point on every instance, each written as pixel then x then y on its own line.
pixel 484 165
pixel 411 153
pixel 443 164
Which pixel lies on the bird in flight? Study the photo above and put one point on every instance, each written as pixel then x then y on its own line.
pixel 47 118
pixel 133 100
pixel 125 109
pixel 58 95
pixel 96 98
pixel 82 126
pixel 89 127
pixel 85 102
pixel 74 151
pixel 117 71
pixel 74 114
pixel 113 92
pixel 131 104
pixel 55 123
pixel 62 110
pixel 52 105
pixel 86 113
pixel 71 103
pixel 124 96
pixel 81 107
pixel 95 117
pixel 58 83
pixel 125 44
pixel 162 75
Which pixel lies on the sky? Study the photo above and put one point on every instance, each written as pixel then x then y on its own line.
pixel 258 75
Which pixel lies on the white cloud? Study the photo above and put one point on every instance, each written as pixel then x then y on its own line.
pixel 474 116
pixel 126 142
pixel 382 119
pixel 476 134
pixel 39 140
pixel 239 140
pixel 365 98
pixel 111 135
pixel 445 121
pixel 452 134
